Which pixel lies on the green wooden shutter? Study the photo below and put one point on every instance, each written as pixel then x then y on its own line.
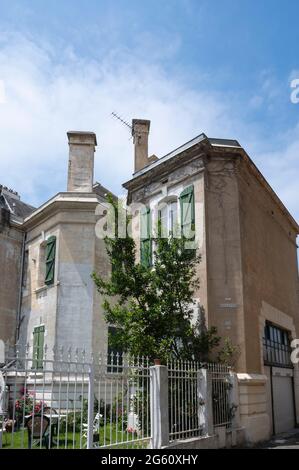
pixel 50 260
pixel 38 347
pixel 35 348
pixel 145 237
pixel 187 213
pixel 159 223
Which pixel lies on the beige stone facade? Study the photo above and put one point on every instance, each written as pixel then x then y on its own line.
pixel 247 240
pixel 68 308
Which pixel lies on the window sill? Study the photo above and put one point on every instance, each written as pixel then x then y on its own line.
pixel 46 287
pixel 38 373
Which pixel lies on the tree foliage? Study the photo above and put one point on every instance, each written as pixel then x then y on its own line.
pixel 153 307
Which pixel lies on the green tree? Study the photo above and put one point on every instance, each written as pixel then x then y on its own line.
pixel 153 307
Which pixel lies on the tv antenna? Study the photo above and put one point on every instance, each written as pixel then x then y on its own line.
pixel 125 123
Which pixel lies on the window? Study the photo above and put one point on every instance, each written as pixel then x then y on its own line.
pixel 187 213
pixel 50 260
pixel 168 219
pixel 277 350
pixel 115 358
pixel 145 237
pixel 38 347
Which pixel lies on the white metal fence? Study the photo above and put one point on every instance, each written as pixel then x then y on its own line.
pixel 46 400
pixel 221 385
pixel 122 391
pixel 183 400
pixel 68 400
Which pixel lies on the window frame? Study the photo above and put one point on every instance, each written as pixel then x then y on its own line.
pixel 38 347
pixel 277 346
pixel 170 229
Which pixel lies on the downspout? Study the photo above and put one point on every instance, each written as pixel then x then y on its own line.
pixel 19 321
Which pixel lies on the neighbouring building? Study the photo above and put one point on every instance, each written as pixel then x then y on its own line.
pixel 12 242
pixel 248 272
pixel 49 254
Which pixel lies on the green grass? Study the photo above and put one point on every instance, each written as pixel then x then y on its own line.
pixel 19 440
pixel 108 436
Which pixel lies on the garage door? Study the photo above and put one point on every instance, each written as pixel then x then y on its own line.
pixel 283 399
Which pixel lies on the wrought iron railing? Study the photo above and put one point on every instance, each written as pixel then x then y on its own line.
pixel 221 386
pixel 75 401
pixel 183 399
pixel 277 354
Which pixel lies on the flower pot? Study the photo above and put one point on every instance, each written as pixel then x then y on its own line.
pixel 157 362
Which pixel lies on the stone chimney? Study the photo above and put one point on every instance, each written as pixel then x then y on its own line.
pixel 140 132
pixel 81 161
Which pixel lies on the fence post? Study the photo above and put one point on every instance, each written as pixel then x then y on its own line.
pixel 234 402
pixel 205 407
pixel 159 406
pixel 90 411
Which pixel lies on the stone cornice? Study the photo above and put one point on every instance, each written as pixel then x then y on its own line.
pixel 205 147
pixel 62 202
pixel 165 167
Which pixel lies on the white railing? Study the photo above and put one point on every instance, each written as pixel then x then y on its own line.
pixel 64 399
pixel 122 385
pixel 183 400
pixel 46 399
pixel 221 385
pixel 187 398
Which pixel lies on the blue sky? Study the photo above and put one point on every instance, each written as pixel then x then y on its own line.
pixel 222 67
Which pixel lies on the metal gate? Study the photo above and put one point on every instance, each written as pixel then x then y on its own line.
pixel 280 399
pixel 280 372
pixel 283 399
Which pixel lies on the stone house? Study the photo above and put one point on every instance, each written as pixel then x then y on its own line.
pixel 248 272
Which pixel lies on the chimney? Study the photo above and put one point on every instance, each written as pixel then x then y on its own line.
pixel 140 132
pixel 81 161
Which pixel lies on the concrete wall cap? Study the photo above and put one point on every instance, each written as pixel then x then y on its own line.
pixel 251 379
pixel 82 137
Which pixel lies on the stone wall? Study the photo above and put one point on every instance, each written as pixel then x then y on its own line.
pixel 11 240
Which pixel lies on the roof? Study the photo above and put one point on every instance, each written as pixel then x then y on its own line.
pixel 70 199
pixel 100 190
pixel 11 201
pixel 215 143
pixel 200 138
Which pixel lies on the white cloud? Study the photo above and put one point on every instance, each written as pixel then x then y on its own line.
pixel 48 94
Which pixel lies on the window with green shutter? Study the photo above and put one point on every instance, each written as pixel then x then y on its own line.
pixel 38 347
pixel 187 213
pixel 145 237
pixel 50 260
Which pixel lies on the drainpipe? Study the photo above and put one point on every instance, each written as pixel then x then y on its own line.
pixel 19 321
